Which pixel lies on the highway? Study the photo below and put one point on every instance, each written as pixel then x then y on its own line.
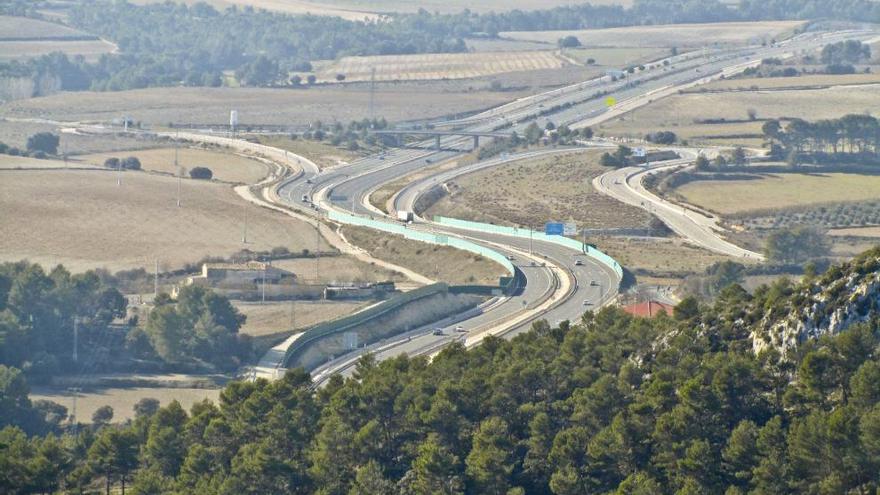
pixel 560 290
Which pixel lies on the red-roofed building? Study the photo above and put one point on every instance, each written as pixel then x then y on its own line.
pixel 648 309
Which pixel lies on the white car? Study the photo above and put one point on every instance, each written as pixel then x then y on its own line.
pixel 578 263
pixel 460 329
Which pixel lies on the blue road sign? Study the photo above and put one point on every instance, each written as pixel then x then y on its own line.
pixel 554 229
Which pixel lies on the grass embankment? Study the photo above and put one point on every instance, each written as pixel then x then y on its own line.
pixel 441 263
pixel 539 190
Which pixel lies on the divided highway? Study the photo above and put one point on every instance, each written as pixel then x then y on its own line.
pixel 570 282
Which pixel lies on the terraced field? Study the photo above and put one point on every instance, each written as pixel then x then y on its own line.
pixel 438 65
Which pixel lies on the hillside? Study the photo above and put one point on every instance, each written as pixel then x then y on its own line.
pixel 612 404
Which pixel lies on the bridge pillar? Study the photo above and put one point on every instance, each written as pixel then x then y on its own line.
pixel 437 142
pixel 476 142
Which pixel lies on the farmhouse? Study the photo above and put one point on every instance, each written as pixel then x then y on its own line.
pixel 220 275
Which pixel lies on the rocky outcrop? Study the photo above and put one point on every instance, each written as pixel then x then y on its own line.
pixel 846 295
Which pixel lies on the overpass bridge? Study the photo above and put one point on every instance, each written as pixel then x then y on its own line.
pixel 438 134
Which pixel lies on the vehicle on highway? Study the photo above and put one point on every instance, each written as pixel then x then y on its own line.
pixel 305 198
pixel 405 216
pixel 438 331
pixel 510 257
pixel 460 329
pixel 309 181
pixel 578 263
pixel 587 303
pixel 594 283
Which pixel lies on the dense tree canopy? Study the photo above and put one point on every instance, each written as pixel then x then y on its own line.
pixel 611 404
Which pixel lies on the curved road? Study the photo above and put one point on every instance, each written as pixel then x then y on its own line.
pixel 347 187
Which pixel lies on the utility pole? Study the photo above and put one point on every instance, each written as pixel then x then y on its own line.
pixel 263 285
pixel 75 391
pixel 531 232
pixel 119 173
pixel 372 92
pixel 75 339
pixel 177 165
pixel 244 235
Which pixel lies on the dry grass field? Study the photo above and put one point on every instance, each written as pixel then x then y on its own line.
pixel 440 263
pixel 22 38
pixel 270 318
pixel 438 65
pixel 84 220
pixel 324 155
pixel 775 191
pixel 159 106
pixel 227 167
pixel 539 190
pixel 8 162
pixel 809 80
pixel 25 28
pixel 122 400
pixel 657 257
pixel 667 36
pixel 870 232
pixel 338 270
pixel 615 57
pixel 679 113
pixel 444 6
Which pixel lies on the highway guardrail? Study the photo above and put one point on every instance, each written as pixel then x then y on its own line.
pixel 538 236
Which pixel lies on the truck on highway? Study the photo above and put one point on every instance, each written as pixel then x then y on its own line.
pixel 405 216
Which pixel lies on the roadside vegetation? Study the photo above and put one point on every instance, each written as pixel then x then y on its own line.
pixel 591 419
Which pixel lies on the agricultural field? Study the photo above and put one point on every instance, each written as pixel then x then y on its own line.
pixel 294 7
pixel 438 65
pixel 778 191
pixel 683 113
pixel 23 28
pixel 122 400
pixel 275 317
pixel 20 50
pixel 507 194
pixel 22 38
pixel 295 107
pixel 682 36
pixel 443 6
pixel 324 155
pixel 84 220
pixel 441 263
pixel 226 167
pixel 817 81
pixel 614 57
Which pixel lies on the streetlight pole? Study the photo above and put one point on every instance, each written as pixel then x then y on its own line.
pixel 317 251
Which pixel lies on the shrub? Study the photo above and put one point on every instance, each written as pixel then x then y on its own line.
pixel 203 173
pixel 112 162
pixel 45 142
pixel 131 163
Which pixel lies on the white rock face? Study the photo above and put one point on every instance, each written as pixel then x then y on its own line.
pixel 852 299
